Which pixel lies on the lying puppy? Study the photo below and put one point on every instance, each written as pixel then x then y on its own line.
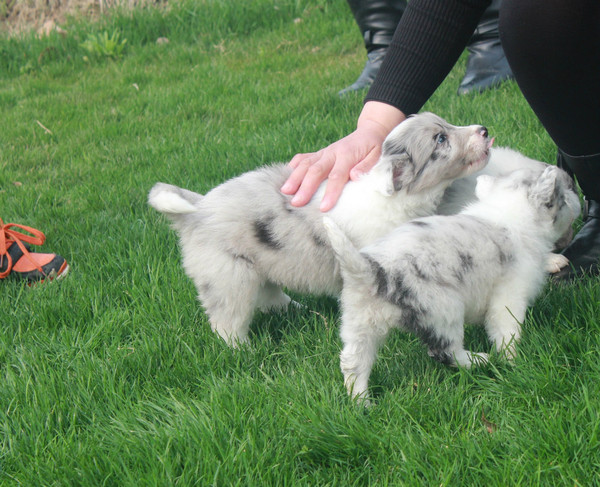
pixel 429 276
pixel 243 241
pixel 502 162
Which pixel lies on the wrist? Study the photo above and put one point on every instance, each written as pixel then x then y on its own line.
pixel 380 117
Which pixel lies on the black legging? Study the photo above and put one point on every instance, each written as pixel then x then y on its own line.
pixel 553 48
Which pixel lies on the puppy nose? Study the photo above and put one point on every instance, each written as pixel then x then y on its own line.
pixel 483 131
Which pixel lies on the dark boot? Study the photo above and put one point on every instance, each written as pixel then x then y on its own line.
pixel 377 21
pixel 487 66
pixel 584 251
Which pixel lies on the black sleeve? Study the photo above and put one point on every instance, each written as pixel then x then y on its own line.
pixel 428 41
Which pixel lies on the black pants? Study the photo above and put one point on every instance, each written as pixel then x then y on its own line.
pixel 553 48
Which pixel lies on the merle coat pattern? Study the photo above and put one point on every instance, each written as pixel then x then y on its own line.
pixel 430 276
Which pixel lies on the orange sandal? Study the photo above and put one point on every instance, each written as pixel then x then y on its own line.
pixel 17 261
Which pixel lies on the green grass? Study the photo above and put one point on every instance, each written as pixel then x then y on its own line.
pixel 113 377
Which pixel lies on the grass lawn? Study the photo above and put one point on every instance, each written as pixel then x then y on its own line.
pixel 113 377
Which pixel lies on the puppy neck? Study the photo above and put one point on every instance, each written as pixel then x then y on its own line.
pixel 379 183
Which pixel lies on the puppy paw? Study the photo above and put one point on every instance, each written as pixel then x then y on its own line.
pixel 467 359
pixel 362 400
pixel 555 262
pixel 478 358
pixel 508 353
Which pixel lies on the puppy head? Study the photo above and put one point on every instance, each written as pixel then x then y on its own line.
pixel 554 195
pixel 425 151
pixel 551 196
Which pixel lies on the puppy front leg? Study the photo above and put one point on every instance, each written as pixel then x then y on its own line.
pixel 555 262
pixel 503 323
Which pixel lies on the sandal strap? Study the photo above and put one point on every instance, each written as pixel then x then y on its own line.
pixel 12 247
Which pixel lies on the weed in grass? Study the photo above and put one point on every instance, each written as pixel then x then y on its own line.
pixel 104 46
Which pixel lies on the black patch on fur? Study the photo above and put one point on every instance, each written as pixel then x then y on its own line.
pixel 264 233
pixel 319 241
pixel 399 293
pixel 466 260
pixel 503 256
pixel 419 223
pixel 437 345
pixel 414 317
pixel 466 264
pixel 380 277
pixel 412 260
pixel 394 290
pixel 434 156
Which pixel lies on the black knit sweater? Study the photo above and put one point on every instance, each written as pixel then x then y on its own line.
pixel 429 39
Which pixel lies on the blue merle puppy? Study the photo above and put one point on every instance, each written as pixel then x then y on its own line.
pixel 430 276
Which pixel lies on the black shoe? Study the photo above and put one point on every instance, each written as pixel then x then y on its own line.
pixel 487 67
pixel 377 21
pixel 374 60
pixel 584 251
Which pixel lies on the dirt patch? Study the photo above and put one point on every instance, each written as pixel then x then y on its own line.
pixel 43 16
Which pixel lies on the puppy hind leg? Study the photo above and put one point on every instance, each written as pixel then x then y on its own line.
pixel 230 306
pixel 356 362
pixel 361 335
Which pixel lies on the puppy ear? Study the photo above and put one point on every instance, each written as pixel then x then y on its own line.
pixel 484 185
pixel 402 170
pixel 392 173
pixel 544 192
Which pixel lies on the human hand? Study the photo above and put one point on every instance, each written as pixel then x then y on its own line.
pixel 348 158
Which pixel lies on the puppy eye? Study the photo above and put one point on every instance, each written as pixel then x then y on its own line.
pixel 441 138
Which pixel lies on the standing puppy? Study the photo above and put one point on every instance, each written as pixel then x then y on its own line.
pixel 243 241
pixel 429 276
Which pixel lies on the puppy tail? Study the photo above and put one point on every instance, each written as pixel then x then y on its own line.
pixel 350 259
pixel 173 200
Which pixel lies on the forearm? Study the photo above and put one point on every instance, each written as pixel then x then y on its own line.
pixel 429 39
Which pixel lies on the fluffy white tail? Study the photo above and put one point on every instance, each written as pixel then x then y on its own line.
pixel 173 200
pixel 350 259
